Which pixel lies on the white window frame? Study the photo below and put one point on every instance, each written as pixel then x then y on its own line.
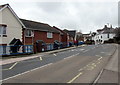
pixel 49 35
pixel 29 31
pixel 3 30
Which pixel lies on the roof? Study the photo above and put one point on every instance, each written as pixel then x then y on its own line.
pixel 72 33
pixel 61 31
pixel 38 26
pixel 15 42
pixel 106 30
pixel 2 7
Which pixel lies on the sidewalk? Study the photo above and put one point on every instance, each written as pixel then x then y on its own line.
pixel 12 60
pixel 110 72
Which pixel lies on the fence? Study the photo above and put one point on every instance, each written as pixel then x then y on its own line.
pixel 18 49
pixel 53 46
pixel 25 49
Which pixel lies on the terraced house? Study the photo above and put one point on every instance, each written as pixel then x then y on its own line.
pixel 39 34
pixel 26 36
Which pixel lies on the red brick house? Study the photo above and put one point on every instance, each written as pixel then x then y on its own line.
pixel 63 36
pixel 38 34
pixel 72 35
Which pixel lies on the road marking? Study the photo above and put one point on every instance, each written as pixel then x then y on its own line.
pixel 100 58
pixel 98 62
pixel 5 69
pixel 40 58
pixel 72 50
pixel 85 51
pixel 68 57
pixel 71 56
pixel 80 69
pixel 13 65
pixel 75 77
pixel 98 77
pixel 27 72
pixel 102 52
pixel 94 64
pixel 108 54
pixel 97 55
pixel 54 54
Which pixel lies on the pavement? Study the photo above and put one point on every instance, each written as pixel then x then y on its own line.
pixel 110 74
pixel 79 65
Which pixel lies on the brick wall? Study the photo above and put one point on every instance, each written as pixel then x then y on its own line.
pixel 39 35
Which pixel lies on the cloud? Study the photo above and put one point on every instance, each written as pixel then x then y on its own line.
pixel 86 16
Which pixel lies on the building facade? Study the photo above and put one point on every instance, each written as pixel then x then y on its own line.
pixel 37 34
pixel 104 34
pixel 10 27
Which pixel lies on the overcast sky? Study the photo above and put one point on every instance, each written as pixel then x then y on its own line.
pixel 84 15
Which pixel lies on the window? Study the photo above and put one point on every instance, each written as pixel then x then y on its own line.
pixel 101 36
pixel 49 35
pixel 29 33
pixel 3 30
pixel 108 35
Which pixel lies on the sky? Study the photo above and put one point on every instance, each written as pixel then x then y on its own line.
pixel 80 15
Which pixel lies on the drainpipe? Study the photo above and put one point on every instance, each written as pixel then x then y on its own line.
pixel 33 41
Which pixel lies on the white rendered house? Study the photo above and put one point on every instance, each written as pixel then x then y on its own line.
pixel 103 35
pixel 10 26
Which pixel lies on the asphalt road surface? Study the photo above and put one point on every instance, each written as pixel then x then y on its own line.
pixel 79 65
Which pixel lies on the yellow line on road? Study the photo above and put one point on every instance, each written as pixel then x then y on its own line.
pixel 75 77
pixel 100 58
pixel 40 58
pixel 13 65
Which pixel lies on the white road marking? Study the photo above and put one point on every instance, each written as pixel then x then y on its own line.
pixel 102 52
pixel 13 65
pixel 85 51
pixel 71 56
pixel 26 72
pixel 82 49
pixel 40 58
pixel 97 55
pixel 54 54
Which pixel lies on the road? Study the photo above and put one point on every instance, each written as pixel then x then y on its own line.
pixel 79 65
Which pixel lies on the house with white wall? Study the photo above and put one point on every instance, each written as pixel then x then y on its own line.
pixel 10 26
pixel 104 34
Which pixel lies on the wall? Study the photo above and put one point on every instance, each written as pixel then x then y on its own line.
pixel 14 28
pixel 104 37
pixel 40 35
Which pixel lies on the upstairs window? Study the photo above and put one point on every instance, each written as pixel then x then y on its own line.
pixel 3 31
pixel 29 33
pixel 49 35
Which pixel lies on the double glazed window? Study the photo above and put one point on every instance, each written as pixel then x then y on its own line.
pixel 2 30
pixel 49 35
pixel 29 33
